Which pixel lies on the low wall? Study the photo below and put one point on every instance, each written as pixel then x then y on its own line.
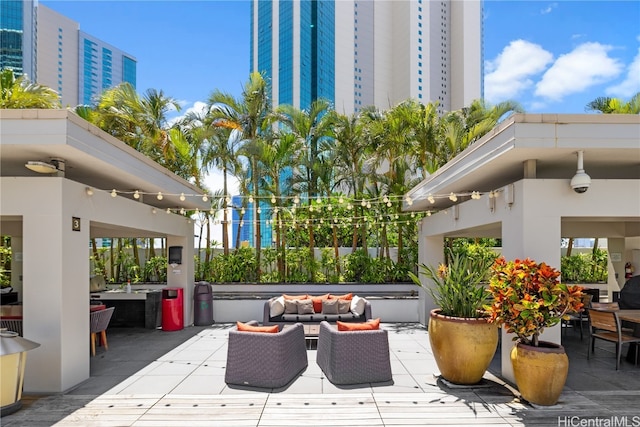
pixel 392 303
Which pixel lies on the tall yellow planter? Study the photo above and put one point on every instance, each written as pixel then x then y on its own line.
pixel 540 372
pixel 462 347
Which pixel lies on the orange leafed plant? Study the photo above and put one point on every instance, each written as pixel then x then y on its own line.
pixel 528 297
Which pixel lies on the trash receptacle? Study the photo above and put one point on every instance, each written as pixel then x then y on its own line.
pixel 172 309
pixel 202 304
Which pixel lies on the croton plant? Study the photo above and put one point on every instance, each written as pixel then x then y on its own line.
pixel 528 297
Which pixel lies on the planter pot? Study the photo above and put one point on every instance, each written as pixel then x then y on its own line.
pixel 463 347
pixel 540 372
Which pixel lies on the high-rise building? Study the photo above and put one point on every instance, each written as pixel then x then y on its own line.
pixel 359 53
pixel 52 50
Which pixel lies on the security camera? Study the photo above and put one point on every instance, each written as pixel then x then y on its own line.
pixel 580 181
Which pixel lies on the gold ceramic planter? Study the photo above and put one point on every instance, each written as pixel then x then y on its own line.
pixel 540 372
pixel 463 347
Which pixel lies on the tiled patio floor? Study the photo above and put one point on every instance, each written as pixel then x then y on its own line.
pixel 156 378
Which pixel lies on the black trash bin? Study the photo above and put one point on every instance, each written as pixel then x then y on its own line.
pixel 202 304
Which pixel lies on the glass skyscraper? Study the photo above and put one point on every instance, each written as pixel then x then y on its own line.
pixel 359 53
pixel 51 50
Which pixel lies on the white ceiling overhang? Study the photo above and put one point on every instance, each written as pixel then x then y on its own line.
pixel 541 146
pixel 91 156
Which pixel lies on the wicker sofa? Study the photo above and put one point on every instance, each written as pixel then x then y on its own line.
pixel 353 357
pixel 290 318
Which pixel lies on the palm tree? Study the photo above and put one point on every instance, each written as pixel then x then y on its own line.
pixel 607 105
pixel 311 127
pixel 20 93
pixel 249 116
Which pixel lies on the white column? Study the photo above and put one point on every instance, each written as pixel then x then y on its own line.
pixel 530 232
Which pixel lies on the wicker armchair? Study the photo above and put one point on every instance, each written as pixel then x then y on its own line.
pixel 267 360
pixel 353 357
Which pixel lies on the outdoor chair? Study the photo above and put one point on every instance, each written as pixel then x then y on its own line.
pixel 353 357
pixel 267 360
pixel 12 323
pixel 605 325
pixel 99 321
pixel 581 317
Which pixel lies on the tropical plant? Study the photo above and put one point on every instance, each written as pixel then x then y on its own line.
pixel 608 105
pixel 20 92
pixel 459 287
pixel 527 297
pixel 155 269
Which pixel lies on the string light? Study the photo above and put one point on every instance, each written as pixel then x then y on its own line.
pixel 273 200
pixel 136 194
pixel 431 199
pixel 453 197
pixel 250 199
pixel 168 210
pixel 160 196
pixel 113 193
pixel 204 198
pixel 182 211
pixel 89 191
pixel 182 197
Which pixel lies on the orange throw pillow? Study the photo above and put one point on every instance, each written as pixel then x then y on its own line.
pixel 317 302
pixel 243 327
pixel 370 325
pixel 295 296
pixel 348 296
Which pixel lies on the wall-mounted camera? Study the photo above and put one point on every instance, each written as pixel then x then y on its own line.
pixel 580 181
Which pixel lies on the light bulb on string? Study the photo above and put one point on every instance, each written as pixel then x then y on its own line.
pixel 431 199
pixel 197 212
pixel 250 199
pixel 159 196
pixel 363 203
pixel 340 200
pixel 428 213
pixel 273 200
pixel 368 205
pixel 227 199
pixel 311 208
pixel 242 211
pixel 204 198
pixel 113 193
pixel 409 201
pixel 329 207
pixel 413 214
pixel 168 210
pixel 296 200
pixel 453 197
pixel 318 200
pixel 182 211
pixel 136 194
pixel 211 211
pixel 182 198
pixel 259 210
pixel 321 220
pixel 349 206
pixel 388 204
pixel 385 199
pixel 241 223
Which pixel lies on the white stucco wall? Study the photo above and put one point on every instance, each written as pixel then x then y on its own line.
pixel 55 291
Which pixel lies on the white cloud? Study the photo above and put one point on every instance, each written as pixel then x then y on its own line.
pixel 549 8
pixel 197 107
pixel 585 66
pixel 510 72
pixel 631 84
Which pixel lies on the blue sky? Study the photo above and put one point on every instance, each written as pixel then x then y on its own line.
pixel 551 56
